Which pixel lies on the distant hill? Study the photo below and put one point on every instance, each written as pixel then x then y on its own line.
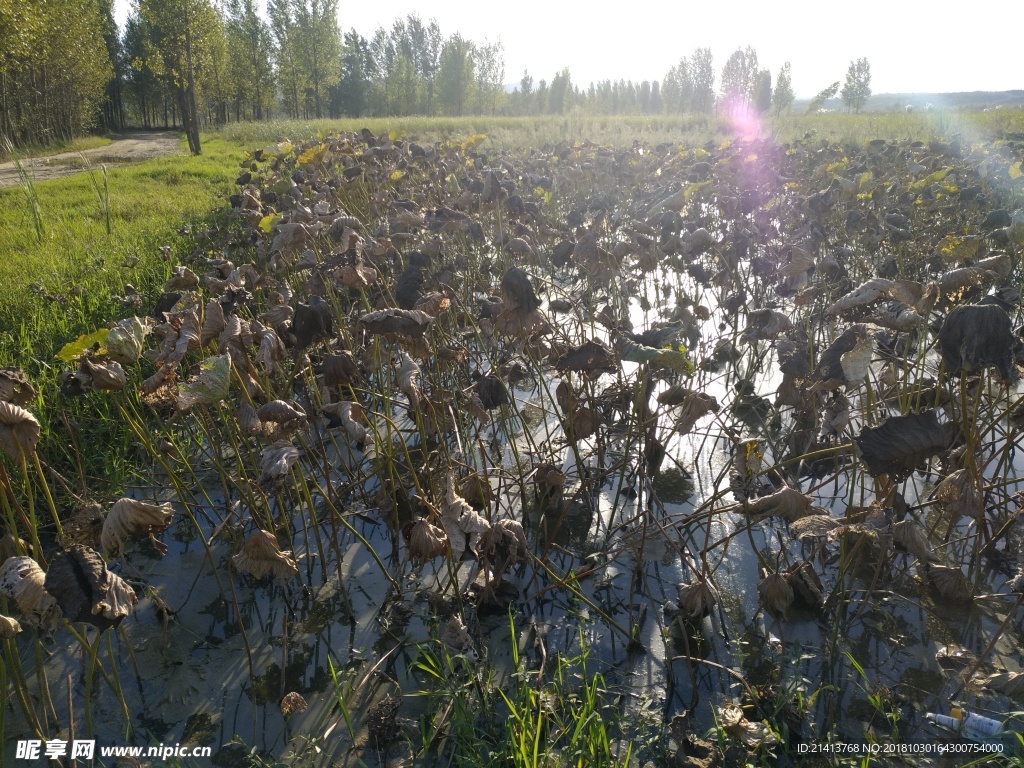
pixel 970 100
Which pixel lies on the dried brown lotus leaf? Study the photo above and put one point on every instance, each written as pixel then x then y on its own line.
pixel 959 495
pixel 585 423
pixel 181 279
pixel 787 503
pixel 476 408
pixel 951 583
pixel 247 419
pixel 695 406
pixel 352 418
pixel 974 337
pixel 909 536
pixel 401 322
pixel 455 638
pixel 340 370
pixel 461 522
pixel 261 556
pixel 775 593
pixel 276 461
pixel 15 387
pixel 278 316
pixel 19 431
pixel 855 362
pixel 8 627
pixel 476 490
pixel 86 591
pixel 287 415
pixel 867 293
pixel 503 544
pixel 696 600
pixel 408 375
pixel 358 276
pixel 900 443
pixel 433 304
pixel 590 357
pixel 213 322
pixel 807 587
pixel 425 540
pixel 106 377
pixel 815 527
pixel 130 519
pixel 896 316
pixel 765 324
pixel 516 323
pixel 271 352
pixel 22 580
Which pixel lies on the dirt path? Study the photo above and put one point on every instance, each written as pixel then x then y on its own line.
pixel 129 147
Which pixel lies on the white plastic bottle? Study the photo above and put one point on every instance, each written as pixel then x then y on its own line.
pixel 971 726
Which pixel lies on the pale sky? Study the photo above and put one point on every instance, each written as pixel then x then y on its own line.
pixel 912 47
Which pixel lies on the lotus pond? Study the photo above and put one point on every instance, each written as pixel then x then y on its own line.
pixel 451 455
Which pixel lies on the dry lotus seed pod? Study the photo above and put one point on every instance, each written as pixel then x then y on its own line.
pixel 131 519
pixel 86 591
pixel 425 540
pixel 22 580
pixel 261 556
pixel 19 431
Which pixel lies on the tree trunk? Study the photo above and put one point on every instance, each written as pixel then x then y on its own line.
pixel 189 113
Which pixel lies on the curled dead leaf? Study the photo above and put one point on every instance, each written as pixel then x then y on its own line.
pixel 261 556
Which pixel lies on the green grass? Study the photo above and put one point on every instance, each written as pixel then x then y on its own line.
pixel 65 285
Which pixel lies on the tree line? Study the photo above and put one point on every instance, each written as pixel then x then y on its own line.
pixel 65 67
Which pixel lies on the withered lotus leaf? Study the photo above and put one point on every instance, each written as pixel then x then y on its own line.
pixel 288 415
pixel 517 290
pixel 15 387
pixel 8 627
pixel 313 321
pixel 849 346
pixel 86 591
pixel 351 417
pixel 276 461
pixel 293 703
pixel 181 279
pixel 213 322
pixel 959 495
pixel 130 519
pixel 461 522
pixel 807 587
pixel 585 423
pixel 787 503
pixel 19 431
pixel 455 638
pixel 775 593
pixel 503 544
pixel 106 376
pixel 868 293
pixel 910 537
pixel 22 580
pixel 340 370
pixel 492 392
pixel 765 324
pixel 424 540
pixel 696 405
pixel 976 336
pixel 697 599
pixel 815 527
pixel 261 556
pixel 408 376
pixel 411 323
pixel 901 443
pixel 590 357
pixel 951 583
